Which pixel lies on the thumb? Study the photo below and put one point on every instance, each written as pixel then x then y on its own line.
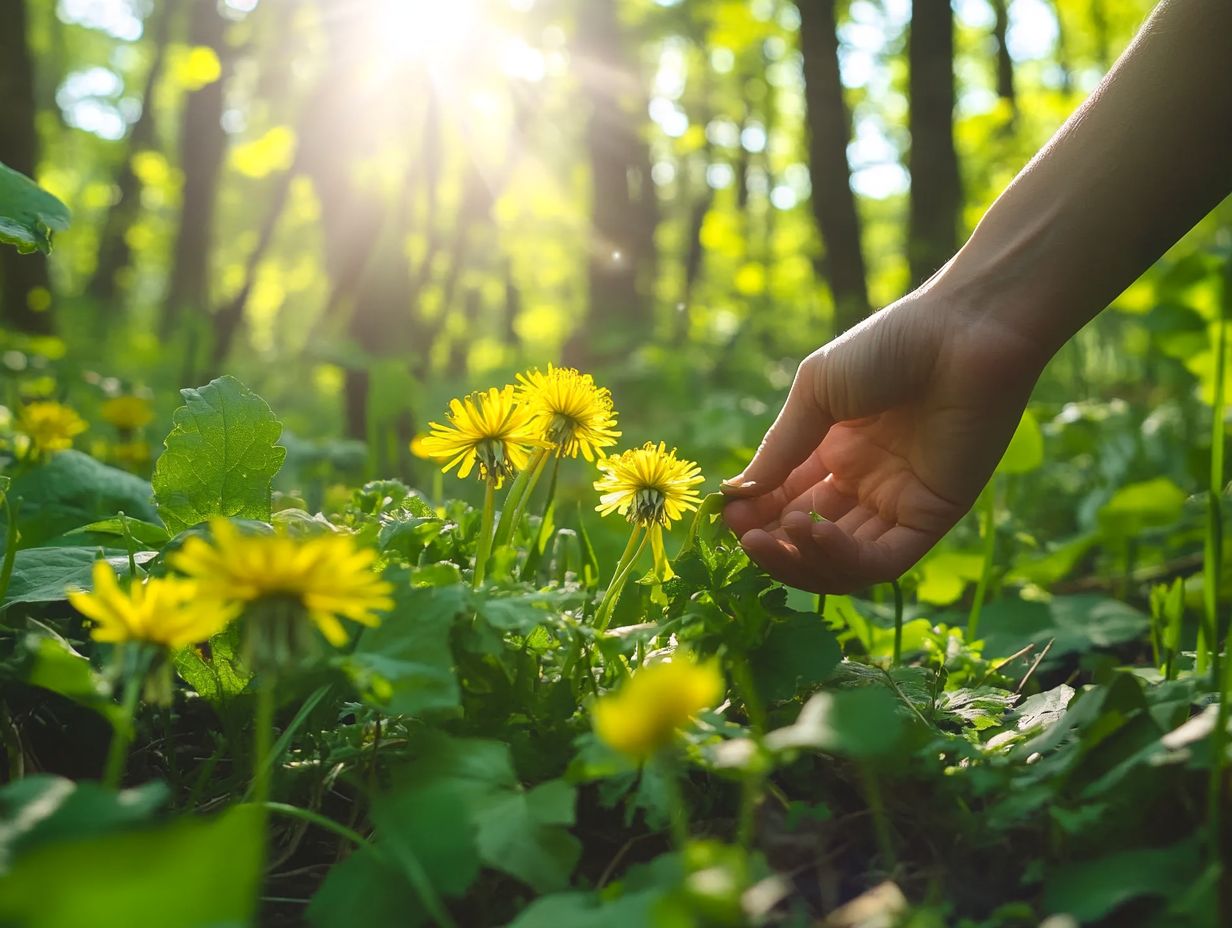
pixel 801 425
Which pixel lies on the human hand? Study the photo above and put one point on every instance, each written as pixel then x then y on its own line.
pixel 889 433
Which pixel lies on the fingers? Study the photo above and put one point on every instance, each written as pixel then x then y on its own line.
pixel 805 482
pixel 825 557
pixel 795 434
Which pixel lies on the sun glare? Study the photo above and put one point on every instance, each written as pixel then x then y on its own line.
pixel 432 31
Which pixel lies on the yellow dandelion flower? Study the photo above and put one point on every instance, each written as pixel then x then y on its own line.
pixel 418 449
pixel 165 611
pixel 127 413
pixel 648 485
pixel 655 703
pixel 328 575
pixel 487 428
pixel 49 425
pixel 573 413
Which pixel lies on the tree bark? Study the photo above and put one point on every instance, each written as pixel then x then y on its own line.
pixel 113 250
pixel 20 274
pixel 829 131
pixel 936 189
pixel 203 147
pixel 1005 63
pixel 624 211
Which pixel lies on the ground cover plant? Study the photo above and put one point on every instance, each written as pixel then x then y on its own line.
pixel 362 562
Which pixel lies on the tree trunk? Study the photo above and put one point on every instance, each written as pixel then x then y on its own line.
pixel 1005 63
pixel 113 250
pixel 936 190
pixel 624 212
pixel 829 131
pixel 20 275
pixel 203 147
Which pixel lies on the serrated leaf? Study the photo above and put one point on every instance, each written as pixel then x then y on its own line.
pixel 220 457
pixel 28 213
pixel 45 575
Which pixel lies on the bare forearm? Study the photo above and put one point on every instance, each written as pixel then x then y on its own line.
pixel 1129 173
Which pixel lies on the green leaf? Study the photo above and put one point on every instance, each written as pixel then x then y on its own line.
pixel 190 873
pixel 43 809
pixel 1026 448
pixel 365 889
pixel 1092 889
pixel 220 457
pixel 146 533
pixel 1140 506
pixel 798 652
pixel 45 575
pixel 405 665
pixel 427 832
pixel 28 213
pixel 1074 623
pixel 72 489
pixel 48 661
pixel 854 723
pixel 519 834
pixel 219 676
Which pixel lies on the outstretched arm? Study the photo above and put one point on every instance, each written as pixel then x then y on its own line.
pixel 891 430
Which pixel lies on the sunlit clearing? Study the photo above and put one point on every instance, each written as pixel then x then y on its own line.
pixel 432 31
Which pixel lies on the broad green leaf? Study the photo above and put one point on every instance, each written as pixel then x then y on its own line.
pixel 190 873
pixel 854 723
pixel 43 809
pixel 1137 507
pixel 1072 623
pixel 46 575
pixel 50 662
pixel 946 575
pixel 72 489
pixel 215 673
pixel 1026 448
pixel 426 830
pixel 1089 890
pixel 798 652
pixel 220 457
pixel 365 889
pixel 28 213
pixel 520 834
pixel 405 665
pixel 146 533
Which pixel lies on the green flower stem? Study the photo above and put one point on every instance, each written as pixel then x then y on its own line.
pixel 990 553
pixel 637 541
pixel 262 735
pixel 898 622
pixel 752 780
pixel 485 535
pixel 1218 797
pixel 122 732
pixel 321 821
pixel 521 487
pixel 10 548
pixel 677 812
pixel 520 511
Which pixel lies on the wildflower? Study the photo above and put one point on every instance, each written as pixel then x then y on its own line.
pixel 326 577
pixel 49 425
pixel 649 485
pixel 127 413
pixel 418 448
pixel 655 703
pixel 489 429
pixel 132 455
pixel 164 611
pixel 572 413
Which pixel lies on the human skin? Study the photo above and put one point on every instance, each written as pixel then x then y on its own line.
pixel 890 431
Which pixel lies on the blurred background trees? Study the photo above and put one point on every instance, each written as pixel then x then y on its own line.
pixel 360 206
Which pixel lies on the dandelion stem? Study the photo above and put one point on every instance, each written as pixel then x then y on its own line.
pixel 122 732
pixel 485 534
pixel 898 622
pixel 990 552
pixel 677 813
pixel 262 734
pixel 521 487
pixel 10 547
pixel 321 821
pixel 637 541
pixel 537 467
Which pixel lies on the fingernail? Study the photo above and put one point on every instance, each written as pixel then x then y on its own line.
pixel 735 483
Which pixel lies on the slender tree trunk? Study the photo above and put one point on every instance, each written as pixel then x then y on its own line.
pixel 1005 63
pixel 829 131
pixel 203 147
pixel 624 212
pixel 20 275
pixel 936 190
pixel 113 250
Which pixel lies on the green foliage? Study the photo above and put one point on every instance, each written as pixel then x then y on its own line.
pixel 28 214
pixel 220 457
